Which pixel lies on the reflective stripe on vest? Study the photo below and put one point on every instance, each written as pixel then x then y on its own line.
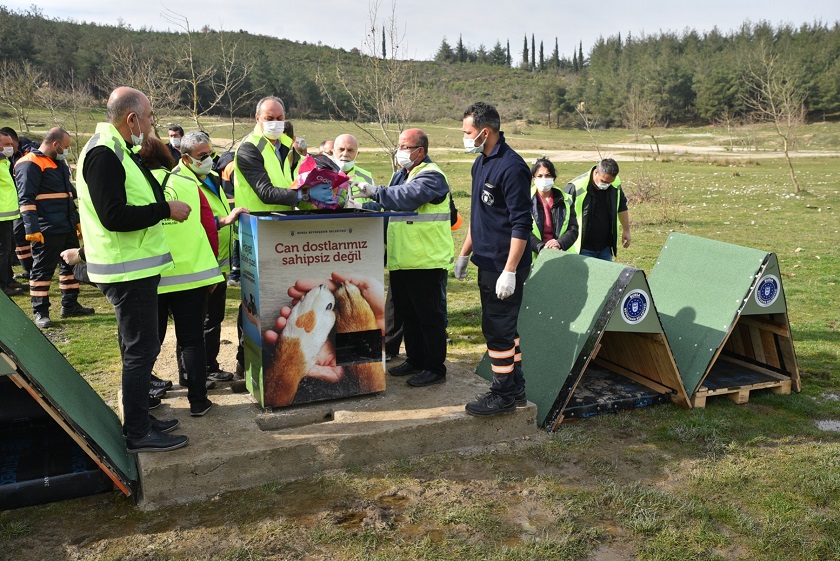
pixel 581 183
pixel 120 256
pixel 423 241
pixel 281 176
pixel 535 229
pixel 360 174
pixel 195 264
pixel 8 192
pixel 220 208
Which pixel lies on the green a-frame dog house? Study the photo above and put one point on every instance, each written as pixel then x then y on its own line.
pixel 591 340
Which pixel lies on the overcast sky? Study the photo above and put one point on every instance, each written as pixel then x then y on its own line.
pixel 343 23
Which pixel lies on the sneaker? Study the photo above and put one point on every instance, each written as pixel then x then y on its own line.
pixel 156 393
pixel 240 371
pixel 160 383
pixel 220 376
pixel 76 309
pixel 43 320
pixel 155 441
pixel 164 425
pixel 154 402
pixel 233 282
pixel 490 404
pixel 520 399
pixel 11 291
pixel 200 408
pixel 22 276
pixel 404 369
pixel 16 284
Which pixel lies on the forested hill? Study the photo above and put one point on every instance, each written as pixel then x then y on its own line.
pixel 675 77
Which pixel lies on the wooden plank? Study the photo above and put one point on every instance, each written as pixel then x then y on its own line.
pixel 771 353
pixel 753 367
pixel 746 340
pixel 757 348
pixel 740 397
pixel 784 389
pixel 736 342
pixel 765 325
pixel 21 382
pixel 632 375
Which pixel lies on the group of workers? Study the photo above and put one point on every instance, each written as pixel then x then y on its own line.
pixel 158 240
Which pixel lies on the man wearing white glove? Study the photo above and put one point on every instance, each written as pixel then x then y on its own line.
pixel 500 228
pixel 419 249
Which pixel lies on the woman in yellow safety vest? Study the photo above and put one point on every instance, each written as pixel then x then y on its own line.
pixel 555 225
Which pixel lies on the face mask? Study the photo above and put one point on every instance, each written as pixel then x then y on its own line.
pixel 8 151
pixel 273 129
pixel 544 184
pixel 175 142
pixel 404 158
pixel 63 155
pixel 602 186
pixel 471 148
pixel 345 166
pixel 135 140
pixel 201 167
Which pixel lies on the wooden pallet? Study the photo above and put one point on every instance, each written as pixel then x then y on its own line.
pixel 756 378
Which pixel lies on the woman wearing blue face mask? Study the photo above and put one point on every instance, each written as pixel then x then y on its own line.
pixel 555 224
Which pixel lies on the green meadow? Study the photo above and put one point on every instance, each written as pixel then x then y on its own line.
pixel 759 481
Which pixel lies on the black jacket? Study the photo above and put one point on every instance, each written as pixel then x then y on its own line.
pixel 567 238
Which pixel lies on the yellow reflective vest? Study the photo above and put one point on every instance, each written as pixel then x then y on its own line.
pixel 281 176
pixel 221 208
pixel 363 175
pixel 581 182
pixel 423 241
pixel 195 264
pixel 535 228
pixel 8 192
pixel 120 256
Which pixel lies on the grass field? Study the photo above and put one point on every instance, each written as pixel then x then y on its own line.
pixel 758 481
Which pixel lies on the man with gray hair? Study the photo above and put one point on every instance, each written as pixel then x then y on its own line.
pixel 345 150
pixel 121 206
pixel 601 208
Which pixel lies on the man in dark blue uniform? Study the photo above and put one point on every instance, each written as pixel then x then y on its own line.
pixel 497 239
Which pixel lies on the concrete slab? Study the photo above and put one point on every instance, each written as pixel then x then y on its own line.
pixel 239 446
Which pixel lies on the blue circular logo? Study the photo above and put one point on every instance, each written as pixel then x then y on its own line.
pixel 635 306
pixel 767 290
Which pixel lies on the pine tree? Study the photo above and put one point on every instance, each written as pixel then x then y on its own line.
pixel 525 57
pixel 460 51
pixel 444 52
pixel 384 55
pixel 580 56
pixel 555 56
pixel 542 57
pixel 509 60
pixel 575 62
pixel 533 53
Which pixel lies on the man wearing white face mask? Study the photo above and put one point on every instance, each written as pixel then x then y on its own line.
pixel 264 164
pixel 345 150
pixel 46 199
pixel 419 251
pixel 176 134
pixel 601 207
pixel 196 163
pixel 497 239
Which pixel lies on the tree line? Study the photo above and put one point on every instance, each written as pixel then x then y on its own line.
pixel 641 82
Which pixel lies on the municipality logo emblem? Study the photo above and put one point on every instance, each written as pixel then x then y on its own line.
pixel 487 198
pixel 767 290
pixel 635 306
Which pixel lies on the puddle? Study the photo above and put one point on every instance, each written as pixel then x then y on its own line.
pixel 828 425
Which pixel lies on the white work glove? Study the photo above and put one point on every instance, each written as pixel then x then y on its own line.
pixel 351 203
pixel 505 285
pixel 363 190
pixel 461 267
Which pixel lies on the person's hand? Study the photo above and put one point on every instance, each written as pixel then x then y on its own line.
pixel 79 230
pixel 352 203
pixel 178 211
pixel 460 270
pixel 37 237
pixel 625 238
pixel 71 256
pixel 506 284
pixel 364 190
pixel 322 193
pixel 552 244
pixel 231 218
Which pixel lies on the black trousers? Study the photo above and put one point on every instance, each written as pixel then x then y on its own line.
pixel 23 251
pixel 498 323
pixel 213 325
pixel 393 326
pixel 418 301
pixel 6 253
pixel 45 256
pixel 188 309
pixel 136 307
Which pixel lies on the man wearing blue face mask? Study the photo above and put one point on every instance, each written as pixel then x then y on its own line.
pixel 601 207
pixel 47 206
pixel 264 164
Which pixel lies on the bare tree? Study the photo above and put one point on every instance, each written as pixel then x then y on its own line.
pixel 775 96
pixel 19 83
pixel 589 123
pixel 79 99
pixel 640 113
pixel 230 87
pixel 156 80
pixel 727 120
pixel 383 92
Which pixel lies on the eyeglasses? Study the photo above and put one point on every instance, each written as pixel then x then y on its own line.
pixel 407 147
